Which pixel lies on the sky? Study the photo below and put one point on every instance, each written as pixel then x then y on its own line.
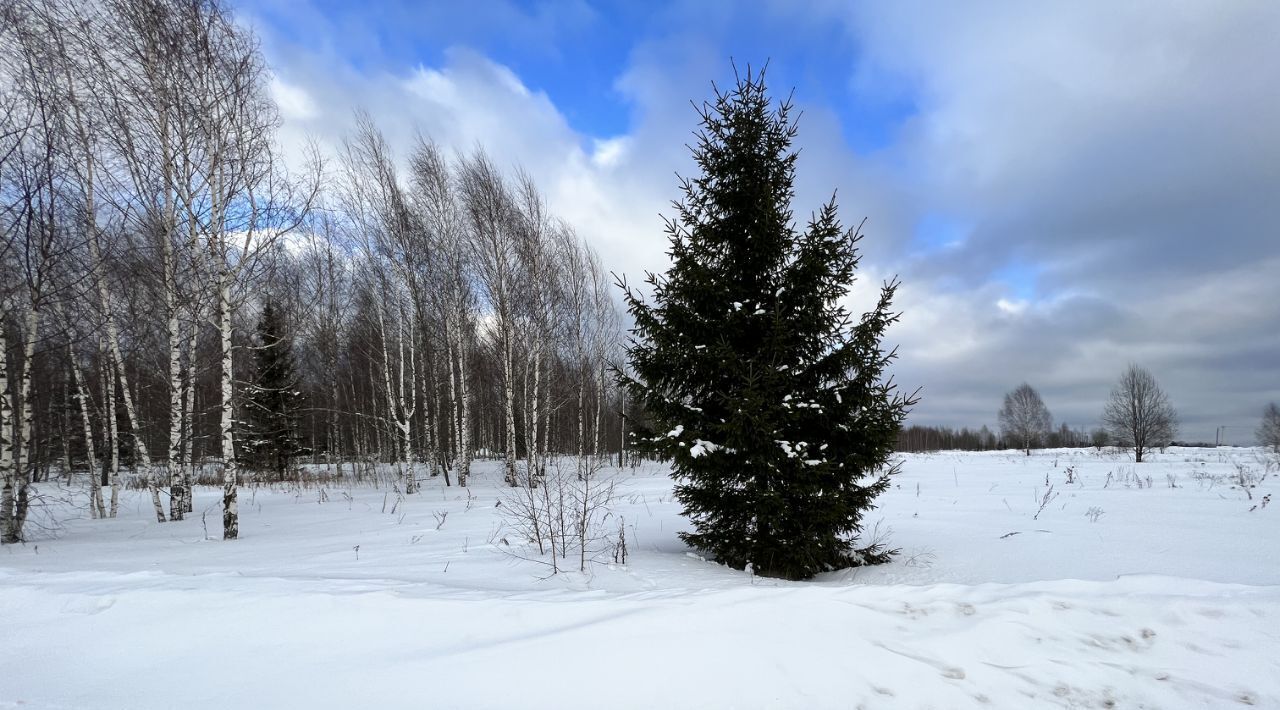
pixel 1063 188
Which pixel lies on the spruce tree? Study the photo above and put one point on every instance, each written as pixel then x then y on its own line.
pixel 273 397
pixel 767 396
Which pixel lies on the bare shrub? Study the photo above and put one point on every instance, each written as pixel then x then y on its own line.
pixel 562 513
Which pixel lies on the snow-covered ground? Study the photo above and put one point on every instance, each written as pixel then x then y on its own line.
pixel 1115 593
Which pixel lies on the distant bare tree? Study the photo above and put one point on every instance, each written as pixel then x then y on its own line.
pixel 1023 418
pixel 1099 438
pixel 1139 414
pixel 1269 429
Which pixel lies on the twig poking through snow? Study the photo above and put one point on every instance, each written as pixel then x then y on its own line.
pixel 1045 500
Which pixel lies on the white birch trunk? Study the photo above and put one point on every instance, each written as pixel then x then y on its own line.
pixel 177 500
pixel 188 420
pixel 335 449
pixel 23 437
pixel 455 432
pixel 230 507
pixel 391 402
pixel 464 424
pixel 401 404
pixel 397 408
pixel 436 422
pixel 582 423
pixel 600 394
pixel 509 400
pixel 8 468
pixel 113 428
pixel 143 455
pixel 527 412
pixel 96 507
pixel 535 447
pixel 540 427
pixel 409 408
pixel 140 446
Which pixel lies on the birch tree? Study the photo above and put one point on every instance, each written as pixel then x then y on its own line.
pixel 493 247
pixel 15 123
pixel 437 200
pixel 97 507
pixel 539 291
pixel 247 202
pixel 1024 419
pixel 32 184
pixel 392 248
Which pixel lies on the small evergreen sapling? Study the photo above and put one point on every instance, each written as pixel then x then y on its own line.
pixel 767 396
pixel 274 399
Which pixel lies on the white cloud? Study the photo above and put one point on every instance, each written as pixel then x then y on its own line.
pixel 294 102
pixel 609 152
pixel 1012 308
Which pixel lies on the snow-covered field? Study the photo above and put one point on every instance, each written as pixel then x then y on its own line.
pixel 1154 585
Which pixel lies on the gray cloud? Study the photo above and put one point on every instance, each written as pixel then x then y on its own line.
pixel 1126 155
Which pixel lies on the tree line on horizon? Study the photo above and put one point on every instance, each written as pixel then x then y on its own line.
pixel 1137 416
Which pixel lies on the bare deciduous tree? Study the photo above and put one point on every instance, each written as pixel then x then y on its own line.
pixel 1269 429
pixel 1024 419
pixel 1139 414
pixel 453 295
pixel 493 223
pixel 34 181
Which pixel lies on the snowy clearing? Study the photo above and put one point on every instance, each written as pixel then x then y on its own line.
pixel 1152 585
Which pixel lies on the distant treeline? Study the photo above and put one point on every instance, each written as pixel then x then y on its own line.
pixel 940 438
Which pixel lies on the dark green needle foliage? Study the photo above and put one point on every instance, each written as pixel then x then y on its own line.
pixel 274 399
pixel 767 396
